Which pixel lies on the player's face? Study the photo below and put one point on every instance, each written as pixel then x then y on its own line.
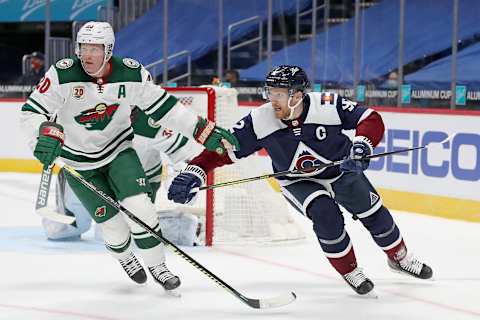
pixel 92 56
pixel 279 99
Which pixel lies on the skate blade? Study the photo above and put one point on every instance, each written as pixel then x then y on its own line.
pixel 408 275
pixel 371 295
pixel 174 293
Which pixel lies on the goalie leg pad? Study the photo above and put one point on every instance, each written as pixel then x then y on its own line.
pixel 150 247
pixel 179 227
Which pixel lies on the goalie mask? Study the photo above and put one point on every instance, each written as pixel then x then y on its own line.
pixel 292 78
pixel 94 32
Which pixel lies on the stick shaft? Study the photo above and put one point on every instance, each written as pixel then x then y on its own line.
pixel 254 303
pixel 43 188
pixel 42 199
pixel 295 171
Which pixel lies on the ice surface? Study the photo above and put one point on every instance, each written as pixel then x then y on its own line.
pixel 40 279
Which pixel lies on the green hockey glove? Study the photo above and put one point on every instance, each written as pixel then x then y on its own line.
pixel 214 138
pixel 49 143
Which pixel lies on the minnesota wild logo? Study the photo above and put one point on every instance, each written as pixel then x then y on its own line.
pixel 97 118
pixel 101 211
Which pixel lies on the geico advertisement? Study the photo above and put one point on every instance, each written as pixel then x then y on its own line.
pixel 447 169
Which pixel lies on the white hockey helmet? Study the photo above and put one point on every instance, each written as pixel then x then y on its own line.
pixel 96 32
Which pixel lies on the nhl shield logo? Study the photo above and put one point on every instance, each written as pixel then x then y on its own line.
pixel 101 211
pixel 97 118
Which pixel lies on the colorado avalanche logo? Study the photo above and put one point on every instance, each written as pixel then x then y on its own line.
pixel 307 161
pixel 97 118
pixel 306 158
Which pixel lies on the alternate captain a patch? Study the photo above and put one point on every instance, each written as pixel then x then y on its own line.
pixel 98 117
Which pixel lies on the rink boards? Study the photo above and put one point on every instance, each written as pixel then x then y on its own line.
pixel 441 180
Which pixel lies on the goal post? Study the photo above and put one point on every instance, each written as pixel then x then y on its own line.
pixel 250 213
pixel 202 101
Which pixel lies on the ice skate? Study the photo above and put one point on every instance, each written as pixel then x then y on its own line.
pixel 412 267
pixel 133 268
pixel 357 280
pixel 166 279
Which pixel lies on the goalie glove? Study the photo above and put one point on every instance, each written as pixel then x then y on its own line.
pixel 361 148
pixel 182 185
pixel 214 138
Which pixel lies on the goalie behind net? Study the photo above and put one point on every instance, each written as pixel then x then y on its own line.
pixel 253 212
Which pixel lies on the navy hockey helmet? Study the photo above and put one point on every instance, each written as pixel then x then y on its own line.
pixel 293 78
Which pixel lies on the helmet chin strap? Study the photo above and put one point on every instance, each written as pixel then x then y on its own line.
pixel 292 108
pixel 95 74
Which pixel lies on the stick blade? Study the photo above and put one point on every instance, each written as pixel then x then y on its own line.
pixel 55 216
pixel 275 302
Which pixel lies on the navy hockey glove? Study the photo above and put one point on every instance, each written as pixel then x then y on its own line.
pixel 49 143
pixel 361 148
pixel 214 138
pixel 180 189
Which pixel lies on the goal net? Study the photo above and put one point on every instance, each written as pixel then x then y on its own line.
pixel 253 212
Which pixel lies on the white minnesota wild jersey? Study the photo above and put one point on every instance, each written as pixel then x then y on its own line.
pixel 153 142
pixel 95 114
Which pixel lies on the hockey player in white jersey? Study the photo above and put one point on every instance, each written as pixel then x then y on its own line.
pixel 80 112
pixel 151 144
pixel 300 130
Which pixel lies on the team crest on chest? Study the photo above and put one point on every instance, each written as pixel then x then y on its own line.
pixel 98 117
pixel 305 158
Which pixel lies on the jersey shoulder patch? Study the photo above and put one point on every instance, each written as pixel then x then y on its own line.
pixel 131 63
pixel 328 98
pixel 125 70
pixel 323 109
pixel 64 63
pixel 264 121
pixel 70 70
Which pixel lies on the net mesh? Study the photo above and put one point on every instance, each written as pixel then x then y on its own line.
pixel 253 212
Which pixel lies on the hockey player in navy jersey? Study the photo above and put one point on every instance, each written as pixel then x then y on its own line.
pixel 298 130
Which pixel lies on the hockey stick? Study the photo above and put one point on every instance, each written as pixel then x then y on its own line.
pixel 254 303
pixel 44 190
pixel 320 166
pixel 42 198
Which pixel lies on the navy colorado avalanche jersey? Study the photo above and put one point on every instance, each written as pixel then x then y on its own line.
pixel 314 138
